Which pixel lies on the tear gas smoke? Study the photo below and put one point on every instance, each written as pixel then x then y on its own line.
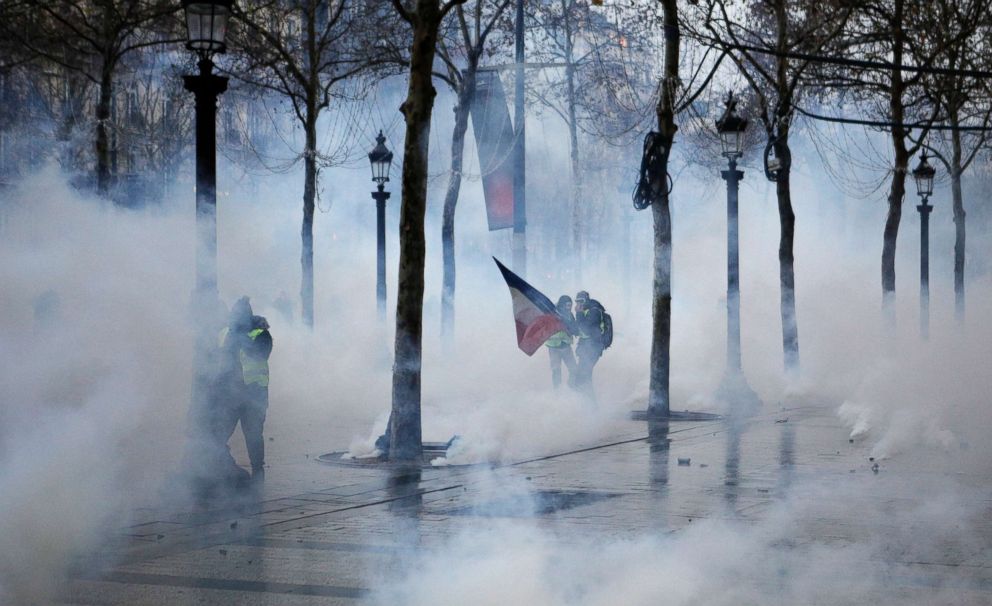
pixel 95 397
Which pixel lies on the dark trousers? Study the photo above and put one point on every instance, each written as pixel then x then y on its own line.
pixel 561 355
pixel 252 419
pixel 212 469
pixel 588 353
pixel 248 406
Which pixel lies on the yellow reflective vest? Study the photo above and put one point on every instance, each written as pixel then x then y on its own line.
pixel 559 339
pixel 254 371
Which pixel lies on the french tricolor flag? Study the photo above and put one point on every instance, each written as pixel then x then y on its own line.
pixel 535 314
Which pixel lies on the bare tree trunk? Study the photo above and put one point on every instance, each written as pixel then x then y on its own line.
pixel 573 142
pixel 787 274
pixel 405 428
pixel 783 190
pixel 658 395
pixel 661 310
pixel 103 175
pixel 897 189
pixel 466 95
pixel 309 200
pixel 576 189
pixel 959 219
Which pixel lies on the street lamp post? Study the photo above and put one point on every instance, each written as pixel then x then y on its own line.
pixel 924 174
pixel 381 159
pixel 206 23
pixel 731 128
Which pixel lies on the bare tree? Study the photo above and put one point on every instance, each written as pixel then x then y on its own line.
pixel 304 51
pixel 582 79
pixel 92 38
pixel 782 27
pixel 882 31
pixel 960 29
pixel 676 96
pixel 661 342
pixel 461 51
pixel 424 17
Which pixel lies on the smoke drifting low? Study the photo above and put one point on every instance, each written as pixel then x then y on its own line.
pixel 785 559
pixel 97 348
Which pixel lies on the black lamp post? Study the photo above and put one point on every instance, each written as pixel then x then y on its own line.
pixel 731 128
pixel 206 24
pixel 924 174
pixel 381 159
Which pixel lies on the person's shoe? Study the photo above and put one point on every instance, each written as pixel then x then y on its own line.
pixel 257 476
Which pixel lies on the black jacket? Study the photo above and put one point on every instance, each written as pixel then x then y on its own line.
pixel 590 320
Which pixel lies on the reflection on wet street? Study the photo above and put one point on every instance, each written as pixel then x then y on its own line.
pixel 660 447
pixel 357 532
pixel 732 466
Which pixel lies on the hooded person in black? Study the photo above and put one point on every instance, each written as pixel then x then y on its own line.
pixel 589 318
pixel 211 468
pixel 244 380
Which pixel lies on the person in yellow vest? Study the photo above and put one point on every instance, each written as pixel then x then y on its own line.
pixel 245 348
pixel 560 344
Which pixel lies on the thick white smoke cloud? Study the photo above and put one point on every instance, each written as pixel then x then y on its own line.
pixel 97 384
pixel 784 559
pixel 94 402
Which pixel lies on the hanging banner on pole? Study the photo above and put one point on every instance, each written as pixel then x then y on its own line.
pixel 494 139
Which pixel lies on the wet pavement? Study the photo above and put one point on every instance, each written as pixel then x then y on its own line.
pixel 325 534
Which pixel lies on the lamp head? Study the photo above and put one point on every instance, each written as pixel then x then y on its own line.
pixel 731 128
pixel 924 174
pixel 206 26
pixel 381 159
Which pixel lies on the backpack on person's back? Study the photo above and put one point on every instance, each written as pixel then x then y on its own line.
pixel 606 327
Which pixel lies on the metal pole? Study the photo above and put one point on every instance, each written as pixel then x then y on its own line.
pixel 519 154
pixel 207 309
pixel 925 210
pixel 733 176
pixel 734 389
pixel 206 86
pixel 380 198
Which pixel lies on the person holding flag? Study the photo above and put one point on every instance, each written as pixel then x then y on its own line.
pixel 560 344
pixel 535 316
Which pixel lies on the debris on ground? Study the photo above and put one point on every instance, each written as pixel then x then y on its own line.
pixel 684 461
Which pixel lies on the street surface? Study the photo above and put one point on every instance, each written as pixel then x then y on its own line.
pixel 782 508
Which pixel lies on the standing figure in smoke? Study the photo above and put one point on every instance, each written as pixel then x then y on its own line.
pixel 595 335
pixel 560 344
pixel 245 345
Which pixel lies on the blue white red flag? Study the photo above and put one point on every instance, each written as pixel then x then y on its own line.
pixel 535 315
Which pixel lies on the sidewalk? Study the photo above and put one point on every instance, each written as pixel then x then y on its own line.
pixel 362 527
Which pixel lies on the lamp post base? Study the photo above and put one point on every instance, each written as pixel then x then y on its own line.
pixel 737 395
